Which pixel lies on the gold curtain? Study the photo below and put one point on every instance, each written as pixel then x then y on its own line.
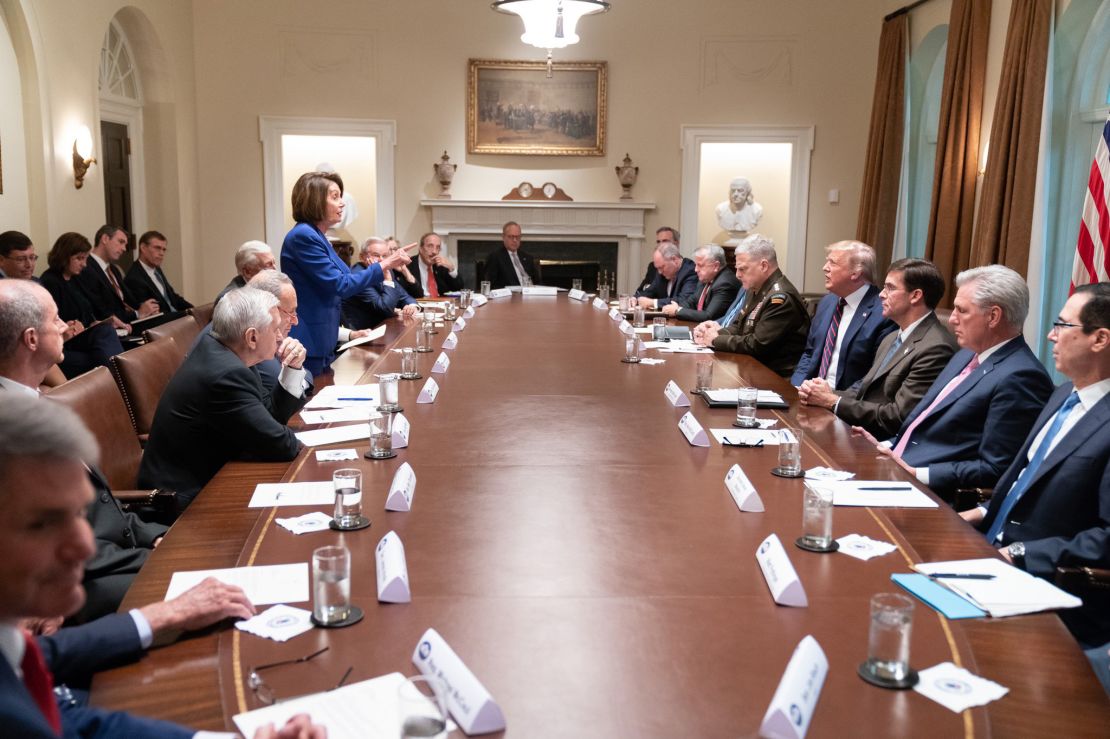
pixel 878 208
pixel 952 213
pixel 1003 227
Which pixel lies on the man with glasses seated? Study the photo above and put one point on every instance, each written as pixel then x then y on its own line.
pixel 663 234
pixel 17 256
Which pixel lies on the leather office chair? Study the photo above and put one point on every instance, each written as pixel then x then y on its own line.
pixel 184 330
pixel 202 313
pixel 142 375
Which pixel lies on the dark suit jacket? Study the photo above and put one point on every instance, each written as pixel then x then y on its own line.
pixel 722 291
pixel 500 272
pixel 1064 516
pixel 236 282
pixel 143 288
pixel 445 283
pixel 214 410
pixel 649 277
pixel 100 293
pixel 374 305
pixel 685 284
pixel 883 399
pixel 858 347
pixel 972 436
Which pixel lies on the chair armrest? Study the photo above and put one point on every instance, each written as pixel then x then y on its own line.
pixel 968 498
pixel 157 500
pixel 1075 579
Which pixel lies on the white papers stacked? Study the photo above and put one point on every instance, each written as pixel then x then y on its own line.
pixel 374 334
pixel 269 494
pixel 345 396
pixel 280 623
pixel 737 436
pixel 678 347
pixel 729 395
pixel 957 689
pixel 876 494
pixel 1010 592
pixel 361 412
pixel 334 434
pixel 862 547
pixel 307 524
pixel 263 585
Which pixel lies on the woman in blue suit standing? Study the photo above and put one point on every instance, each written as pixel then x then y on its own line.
pixel 321 278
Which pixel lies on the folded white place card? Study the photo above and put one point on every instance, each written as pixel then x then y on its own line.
pixel 469 702
pixel 615 314
pixel 269 494
pixel 335 455
pixel 402 489
pixel 468 313
pixel 451 341
pixel 263 584
pixel 478 300
pixel 539 290
pixel 599 304
pixel 400 431
pixel 780 574
pixel 393 573
pixel 626 328
pixel 863 547
pixel 577 294
pixel 675 395
pixel 460 323
pixel 280 623
pixel 795 699
pixel 957 689
pixel 742 490
pixel 441 364
pixel 429 392
pixel 692 430
pixel 334 434
pixel 307 524
pixel 501 292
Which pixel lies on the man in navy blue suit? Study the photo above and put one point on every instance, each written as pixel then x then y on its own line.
pixel 969 426
pixel 379 302
pixel 44 542
pixel 849 323
pixel 675 279
pixel 1052 505
pixel 17 256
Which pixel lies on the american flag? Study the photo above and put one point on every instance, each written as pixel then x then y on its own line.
pixel 1092 253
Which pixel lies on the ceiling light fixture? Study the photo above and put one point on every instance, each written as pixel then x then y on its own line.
pixel 550 24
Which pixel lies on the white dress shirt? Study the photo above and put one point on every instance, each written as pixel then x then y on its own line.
pixel 851 304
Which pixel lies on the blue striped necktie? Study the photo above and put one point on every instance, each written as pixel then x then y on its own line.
pixel 734 309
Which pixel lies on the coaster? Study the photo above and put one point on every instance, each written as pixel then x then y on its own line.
pixel 391 455
pixel 907 682
pixel 778 472
pixel 800 542
pixel 413 376
pixel 739 425
pixel 695 391
pixel 361 523
pixel 423 349
pixel 353 617
pixel 395 408
pixel 633 360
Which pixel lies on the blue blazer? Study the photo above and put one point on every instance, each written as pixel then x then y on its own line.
pixel 374 304
pixel 322 281
pixel 1064 516
pixel 685 284
pixel 973 435
pixel 857 349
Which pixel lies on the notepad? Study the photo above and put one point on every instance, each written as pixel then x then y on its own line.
pixel 876 494
pixel 937 596
pixel 1009 592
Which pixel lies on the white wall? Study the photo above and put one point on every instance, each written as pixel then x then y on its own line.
pixel 14 204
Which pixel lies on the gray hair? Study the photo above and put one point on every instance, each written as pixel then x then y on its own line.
pixel 860 255
pixel 668 250
pixel 29 429
pixel 712 252
pixel 20 309
pixel 365 248
pixel 271 281
pixel 240 310
pixel 1001 286
pixel 758 246
pixel 247 255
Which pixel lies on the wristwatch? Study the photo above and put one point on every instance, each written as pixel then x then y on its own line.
pixel 1017 552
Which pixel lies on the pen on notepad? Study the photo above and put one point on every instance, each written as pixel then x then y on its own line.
pixel 904 487
pixel 961 576
pixel 364 399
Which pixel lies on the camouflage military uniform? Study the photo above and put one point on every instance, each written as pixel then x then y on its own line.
pixel 772 326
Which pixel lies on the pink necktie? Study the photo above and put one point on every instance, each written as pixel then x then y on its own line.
pixel 952 385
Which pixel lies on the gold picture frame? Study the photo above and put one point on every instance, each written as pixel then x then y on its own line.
pixel 513 107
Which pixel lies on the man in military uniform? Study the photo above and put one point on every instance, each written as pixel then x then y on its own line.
pixel 773 324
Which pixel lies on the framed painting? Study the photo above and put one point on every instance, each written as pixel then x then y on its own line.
pixel 516 108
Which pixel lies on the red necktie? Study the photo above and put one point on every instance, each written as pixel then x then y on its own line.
pixel 39 683
pixel 701 300
pixel 433 288
pixel 830 339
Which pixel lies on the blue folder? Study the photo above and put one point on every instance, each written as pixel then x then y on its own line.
pixel 938 597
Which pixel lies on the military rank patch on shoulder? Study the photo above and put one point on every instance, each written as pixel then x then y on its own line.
pixel 778 299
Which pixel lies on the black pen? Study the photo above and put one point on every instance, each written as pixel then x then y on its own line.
pixel 906 487
pixel 961 576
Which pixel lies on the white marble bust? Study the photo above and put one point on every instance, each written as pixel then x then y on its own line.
pixel 740 213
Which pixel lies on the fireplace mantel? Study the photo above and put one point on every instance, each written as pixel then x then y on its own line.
pixel 622 222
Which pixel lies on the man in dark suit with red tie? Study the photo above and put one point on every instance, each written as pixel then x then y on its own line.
pixel 103 282
pixel 716 289
pixel 147 281
pixel 433 274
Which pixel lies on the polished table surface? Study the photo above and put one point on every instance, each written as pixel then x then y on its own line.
pixel 590 566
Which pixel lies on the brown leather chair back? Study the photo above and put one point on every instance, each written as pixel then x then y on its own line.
pixel 95 397
pixel 184 330
pixel 142 374
pixel 203 313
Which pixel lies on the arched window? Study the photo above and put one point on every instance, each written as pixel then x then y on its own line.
pixel 119 79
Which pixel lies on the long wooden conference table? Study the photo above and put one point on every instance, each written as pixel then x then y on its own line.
pixel 590 566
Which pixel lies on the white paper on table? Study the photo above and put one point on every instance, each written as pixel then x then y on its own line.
pixel 364 710
pixel 730 395
pixel 651 360
pixel 376 333
pixel 769 437
pixel 876 494
pixel 656 344
pixel 333 434
pixel 280 623
pixel 345 396
pixel 684 347
pixel 270 494
pixel 264 584
pixel 309 523
pixel 1012 591
pixel 541 291
pixel 828 473
pixel 335 455
pixel 644 329
pixel 362 412
pixel 863 547
pixel 957 689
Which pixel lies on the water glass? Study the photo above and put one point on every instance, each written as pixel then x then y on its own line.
pixel 464 299
pixel 450 311
pixel 817 516
pixel 704 379
pixel 484 288
pixel 603 293
pixel 632 349
pixel 348 498
pixel 638 316
pixel 625 302
pixel 331 584
pixel 424 337
pixel 746 398
pixel 387 386
pixel 576 283
pixel 381 436
pixel 790 451
pixel 888 642
pixel 408 364
pixel 422 703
